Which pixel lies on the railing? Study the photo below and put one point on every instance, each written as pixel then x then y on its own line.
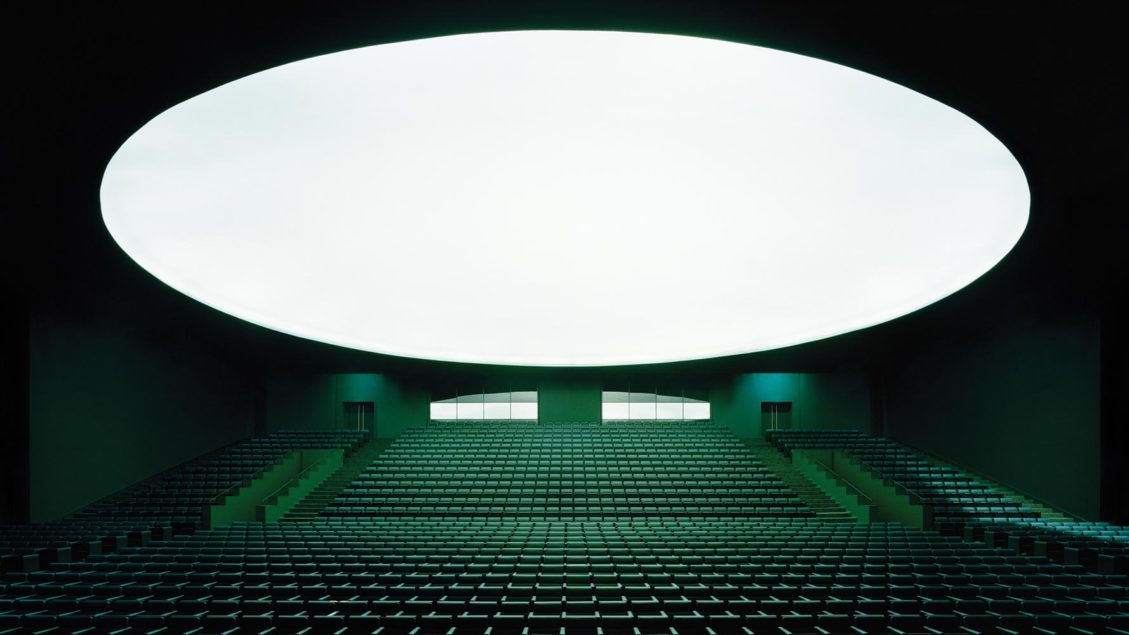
pixel 235 488
pixel 863 498
pixel 241 501
pixel 270 498
pixel 913 496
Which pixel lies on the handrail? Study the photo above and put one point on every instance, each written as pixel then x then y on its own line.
pixel 238 486
pixel 914 497
pixel 839 479
pixel 299 476
pixel 247 481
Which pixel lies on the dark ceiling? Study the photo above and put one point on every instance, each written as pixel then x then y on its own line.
pixel 1048 80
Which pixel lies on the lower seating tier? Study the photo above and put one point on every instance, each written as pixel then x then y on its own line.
pixel 1100 546
pixel 173 501
pixel 652 575
pixel 954 498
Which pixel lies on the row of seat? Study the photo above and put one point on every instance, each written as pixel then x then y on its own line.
pixel 960 503
pixel 953 497
pixel 172 501
pixel 634 528
pixel 392 575
pixel 180 495
pixel 1097 545
pixel 586 470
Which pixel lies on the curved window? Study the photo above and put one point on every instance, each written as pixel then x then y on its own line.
pixel 648 406
pixel 494 406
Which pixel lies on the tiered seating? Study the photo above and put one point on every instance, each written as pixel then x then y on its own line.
pixel 953 497
pixel 565 529
pixel 788 440
pixel 961 503
pixel 30 546
pixel 582 470
pixel 1099 546
pixel 673 576
pixel 172 501
pixel 178 497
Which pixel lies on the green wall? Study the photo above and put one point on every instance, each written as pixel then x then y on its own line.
pixel 836 400
pixel 301 402
pixel 568 400
pixel 1021 407
pixel 109 409
pixel 316 401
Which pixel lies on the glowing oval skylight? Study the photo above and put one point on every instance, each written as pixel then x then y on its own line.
pixel 564 198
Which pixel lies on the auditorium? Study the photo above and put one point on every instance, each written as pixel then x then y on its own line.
pixel 564 318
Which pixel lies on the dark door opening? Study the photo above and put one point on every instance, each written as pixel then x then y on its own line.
pixel 775 415
pixel 360 415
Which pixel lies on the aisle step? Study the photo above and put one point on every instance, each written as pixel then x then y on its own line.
pixel 826 509
pixel 309 508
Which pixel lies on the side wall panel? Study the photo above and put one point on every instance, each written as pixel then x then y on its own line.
pixel 1021 407
pixel 109 409
pixel 568 400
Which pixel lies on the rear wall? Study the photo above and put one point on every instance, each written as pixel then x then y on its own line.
pixel 1021 406
pixel 831 400
pixel 317 401
pixel 109 408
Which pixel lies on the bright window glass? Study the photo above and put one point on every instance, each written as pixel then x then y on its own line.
pixel 641 406
pixel 697 410
pixel 501 406
pixel 496 411
pixel 470 411
pixel 444 411
pixel 524 411
pixel 615 411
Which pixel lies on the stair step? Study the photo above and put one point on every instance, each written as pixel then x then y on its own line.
pixel 324 494
pixel 822 505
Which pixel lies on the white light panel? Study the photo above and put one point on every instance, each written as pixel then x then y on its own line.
pixel 564 198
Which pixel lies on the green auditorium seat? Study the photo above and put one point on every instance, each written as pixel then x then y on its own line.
pixel 577 528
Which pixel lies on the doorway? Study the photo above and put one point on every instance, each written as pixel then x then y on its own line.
pixel 360 415
pixel 775 415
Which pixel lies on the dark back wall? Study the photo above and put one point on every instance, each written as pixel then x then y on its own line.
pixel 837 399
pixel 109 408
pixel 832 400
pixel 316 401
pixel 1021 406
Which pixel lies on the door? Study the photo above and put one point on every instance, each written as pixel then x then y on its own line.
pixel 775 415
pixel 360 415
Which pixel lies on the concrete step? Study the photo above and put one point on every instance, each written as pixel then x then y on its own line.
pixel 823 506
pixel 323 494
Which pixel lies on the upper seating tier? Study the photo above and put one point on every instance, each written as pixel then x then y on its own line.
pixel 573 470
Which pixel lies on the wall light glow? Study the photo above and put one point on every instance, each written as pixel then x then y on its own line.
pixel 564 198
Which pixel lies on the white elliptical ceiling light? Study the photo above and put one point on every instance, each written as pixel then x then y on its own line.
pixel 564 198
